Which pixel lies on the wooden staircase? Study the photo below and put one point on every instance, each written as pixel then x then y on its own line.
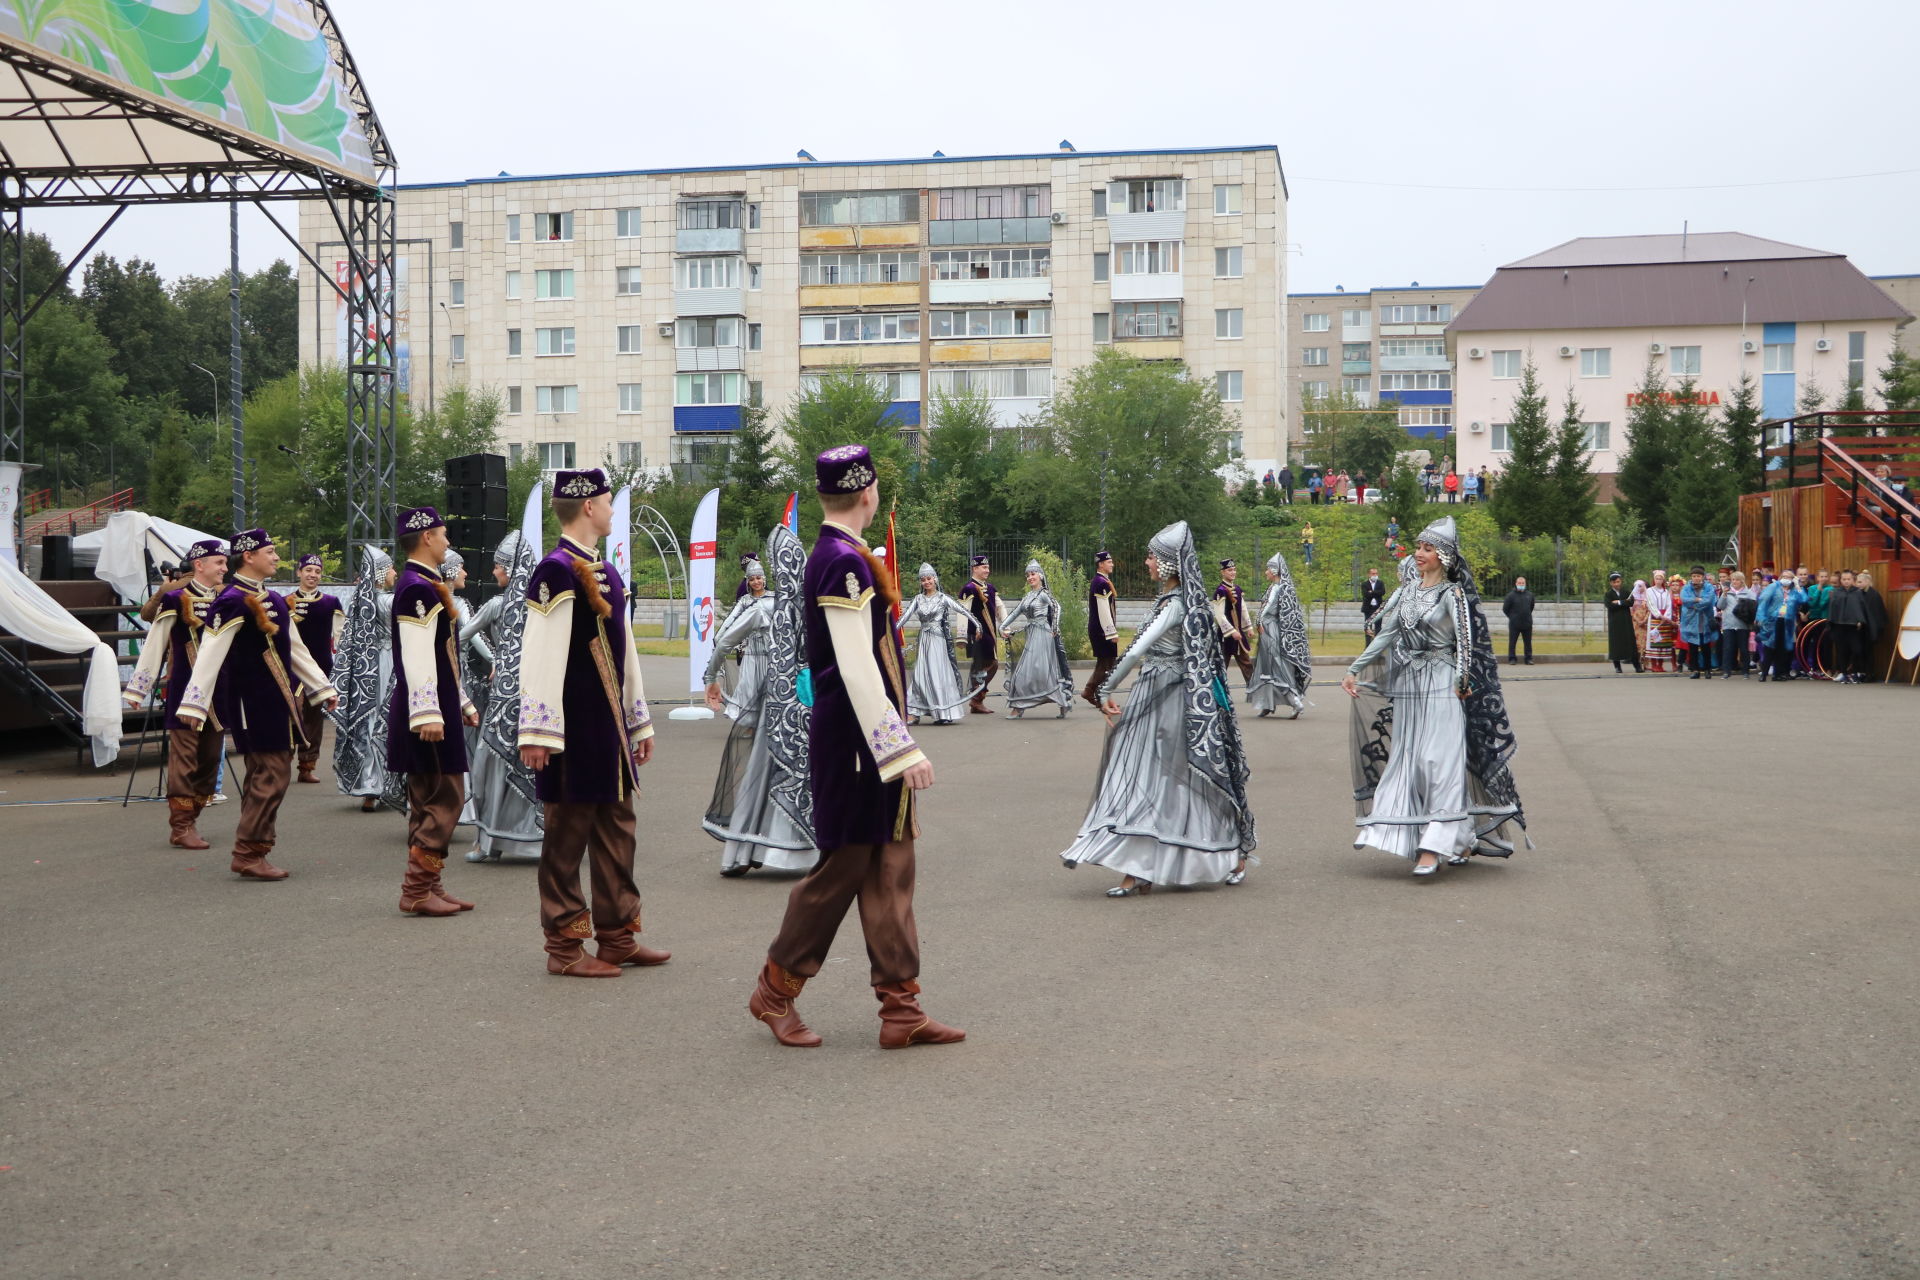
pixel 42 689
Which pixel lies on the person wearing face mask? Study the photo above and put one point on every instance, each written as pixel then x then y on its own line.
pixel 1697 606
pixel 1738 609
pixel 1779 618
pixel 1518 608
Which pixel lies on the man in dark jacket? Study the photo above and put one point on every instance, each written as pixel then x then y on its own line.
pixel 1286 485
pixel 1847 625
pixel 1373 594
pixel 1519 611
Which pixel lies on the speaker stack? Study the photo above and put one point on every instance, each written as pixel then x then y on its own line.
pixel 476 516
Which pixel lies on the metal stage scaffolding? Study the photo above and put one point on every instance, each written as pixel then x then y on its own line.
pixel 118 106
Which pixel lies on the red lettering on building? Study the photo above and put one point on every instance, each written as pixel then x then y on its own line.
pixel 1701 399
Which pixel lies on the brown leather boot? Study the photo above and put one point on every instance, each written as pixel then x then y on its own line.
pixel 619 946
pixel 417 897
pixel 440 890
pixel 903 1022
pixel 568 958
pixel 250 861
pixel 181 813
pixel 772 1003
pixel 306 774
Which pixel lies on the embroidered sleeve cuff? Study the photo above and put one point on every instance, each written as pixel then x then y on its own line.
pixel 554 742
pixel 316 695
pixel 139 686
pixel 893 769
pixel 542 725
pixel 891 745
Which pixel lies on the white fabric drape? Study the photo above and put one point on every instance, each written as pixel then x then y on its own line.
pixel 118 552
pixel 33 615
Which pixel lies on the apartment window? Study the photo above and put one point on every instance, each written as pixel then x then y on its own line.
pixel 1099 202
pixel 513 286
pixel 707 273
pixel 557 400
pixel 861 268
pixel 1228 322
pixel 1316 322
pixel 513 228
pixel 848 208
pixel 1419 347
pixel 753 217
pixel 1506 364
pixel 456 293
pixel 708 331
pixel 1435 313
pixel 1100 271
pixel 456 235
pixel 1148 195
pixel 1360 319
pixel 628 453
pixel 550 285
pixel 892 326
pixel 515 451
pixel 629 398
pixel 755 388
pixel 513 342
pixel 991 264
pixel 1356 351
pixel 753 337
pixel 553 226
pixel 626 223
pixel 1316 389
pixel 1146 319
pixel 556 455
pixel 1500 444
pixel 626 281
pixel 1596 362
pixel 1683 361
pixel 992 202
pixel 1426 415
pixel 1228 381
pixel 1313 355
pixel 997 322
pixel 1416 382
pixel 1236 444
pixel 997 383
pixel 1777 357
pixel 1226 200
pixel 1146 257
pixel 706 388
pixel 629 339
pixel 1856 358
pixel 553 342
pixel 709 215
pixel 1102 326
pixel 1599 435
pixel 514 406
pixel 1226 262
pixel 1361 387
pixel 753 274
pixel 457 347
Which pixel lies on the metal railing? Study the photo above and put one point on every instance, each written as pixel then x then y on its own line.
pixel 1789 444
pixel 80 518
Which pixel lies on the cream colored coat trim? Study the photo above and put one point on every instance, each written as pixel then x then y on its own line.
pixel 852 636
pixel 543 673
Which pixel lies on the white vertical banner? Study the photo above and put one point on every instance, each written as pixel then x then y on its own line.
pixel 700 611
pixel 620 545
pixel 533 524
pixel 11 474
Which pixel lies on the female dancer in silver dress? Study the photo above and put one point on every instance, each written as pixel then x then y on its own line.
pixel 762 809
pixel 934 689
pixel 1283 665
pixel 1171 804
pixel 506 812
pixel 363 672
pixel 744 632
pixel 1431 741
pixel 1040 674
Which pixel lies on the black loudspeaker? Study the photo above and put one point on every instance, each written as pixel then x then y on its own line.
pixel 489 501
pixel 475 536
pixel 56 558
pixel 477 469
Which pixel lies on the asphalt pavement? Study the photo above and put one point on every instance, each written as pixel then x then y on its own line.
pixel 1678 1038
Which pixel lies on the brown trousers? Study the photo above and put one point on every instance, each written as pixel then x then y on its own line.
pixel 981 676
pixel 193 763
pixel 433 810
pixel 1102 668
pixel 313 723
pixel 268 773
pixel 603 834
pixel 880 878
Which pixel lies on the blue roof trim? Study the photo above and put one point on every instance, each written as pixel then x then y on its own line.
pixel 807 164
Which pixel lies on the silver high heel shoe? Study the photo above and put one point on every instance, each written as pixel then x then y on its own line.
pixel 1139 888
pixel 1426 870
pixel 1238 875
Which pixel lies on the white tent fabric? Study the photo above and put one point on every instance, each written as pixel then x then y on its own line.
pixel 117 551
pixel 33 615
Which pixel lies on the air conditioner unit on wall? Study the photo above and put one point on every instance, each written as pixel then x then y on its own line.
pixel 1475 353
pixel 1476 427
pixel 1657 348
pixel 666 328
pixel 1566 353
pixel 1058 219
pixel 1823 344
pixel 1750 346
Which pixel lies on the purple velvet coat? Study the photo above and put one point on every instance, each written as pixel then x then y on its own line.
pixel 982 600
pixel 313 618
pixel 597 766
pixel 416 597
pixel 850 803
pixel 255 698
pixel 1101 585
pixel 190 610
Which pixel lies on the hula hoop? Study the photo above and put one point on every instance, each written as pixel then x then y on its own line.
pixel 1807 646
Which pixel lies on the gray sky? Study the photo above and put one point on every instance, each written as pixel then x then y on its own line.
pixel 1598 119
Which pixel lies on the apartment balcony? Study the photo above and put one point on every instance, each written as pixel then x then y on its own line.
pixel 985 350
pixel 990 231
pixel 824 355
pixel 892 235
pixel 1149 348
pixel 1146 226
pixel 1415 364
pixel 706 417
pixel 706 359
pixel 708 240
pixel 709 302
pixel 1156 286
pixel 1356 366
pixel 905 294
pixel 1413 330
pixel 974 292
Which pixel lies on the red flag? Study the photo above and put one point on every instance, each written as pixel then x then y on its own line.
pixel 893 567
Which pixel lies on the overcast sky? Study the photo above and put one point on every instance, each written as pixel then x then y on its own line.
pixel 1428 142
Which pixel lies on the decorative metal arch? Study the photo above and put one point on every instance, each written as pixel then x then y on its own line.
pixel 666 545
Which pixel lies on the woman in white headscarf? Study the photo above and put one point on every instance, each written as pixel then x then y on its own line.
pixel 1282 665
pixel 1040 674
pixel 506 811
pixel 363 673
pixel 1170 806
pixel 934 690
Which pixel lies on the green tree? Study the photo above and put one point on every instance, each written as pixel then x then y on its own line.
pixel 1900 382
pixel 73 404
pixel 753 489
pixel 269 332
pixel 466 421
pixel 1524 497
pixel 1571 482
pixel 1647 468
pixel 843 406
pixel 270 314
pixel 130 307
pixel 171 466
pixel 1740 433
pixel 965 448
pixel 1403 498
pixel 1701 497
pixel 1345 433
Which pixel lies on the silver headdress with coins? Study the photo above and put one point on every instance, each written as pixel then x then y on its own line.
pixel 1443 535
pixel 1166 547
pixel 452 563
pixel 752 569
pixel 927 571
pixel 504 554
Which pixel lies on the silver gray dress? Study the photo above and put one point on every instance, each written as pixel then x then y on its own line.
pixel 1282 665
pixel 1040 673
pixel 510 820
pixel 934 689
pixel 1153 817
pixel 363 673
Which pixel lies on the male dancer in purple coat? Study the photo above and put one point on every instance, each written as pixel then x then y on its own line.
pixel 584 731
pixel 318 617
pixel 193 753
pixel 1103 627
pixel 982 602
pixel 1236 628
pixel 251 661
pixel 864 769
pixel 427 697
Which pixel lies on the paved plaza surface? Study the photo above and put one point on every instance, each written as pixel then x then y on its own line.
pixel 1679 1038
